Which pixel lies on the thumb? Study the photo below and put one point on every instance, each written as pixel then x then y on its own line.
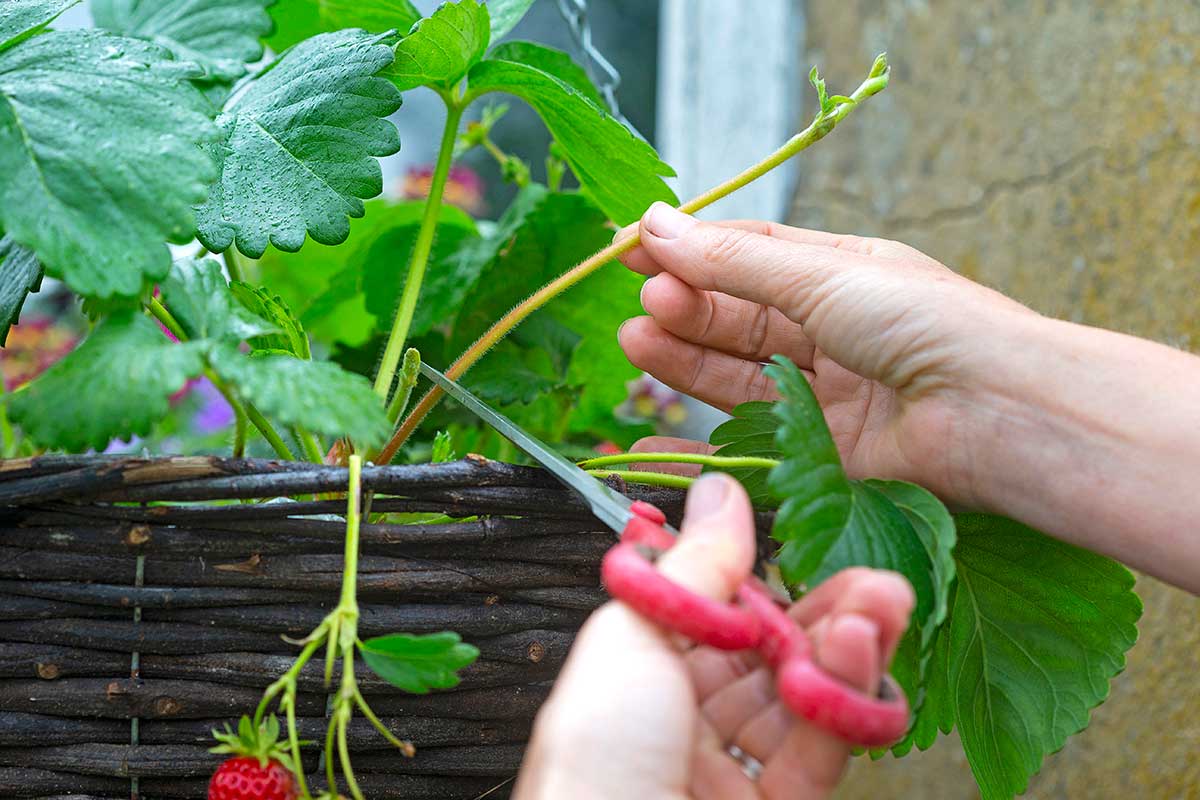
pixel 716 546
pixel 785 274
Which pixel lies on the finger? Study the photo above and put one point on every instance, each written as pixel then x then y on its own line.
pixel 881 596
pixel 791 276
pixel 715 775
pixel 731 707
pixel 716 547
pixel 807 755
pixel 713 669
pixel 863 245
pixel 711 319
pixel 850 645
pixel 716 378
pixel 640 260
pixel 671 444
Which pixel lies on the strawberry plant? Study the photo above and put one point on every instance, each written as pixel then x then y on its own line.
pixel 241 129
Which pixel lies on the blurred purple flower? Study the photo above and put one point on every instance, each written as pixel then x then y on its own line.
pixel 215 413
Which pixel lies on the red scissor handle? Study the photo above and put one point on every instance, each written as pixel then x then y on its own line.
pixel 756 621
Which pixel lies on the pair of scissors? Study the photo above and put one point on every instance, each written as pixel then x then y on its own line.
pixel 756 620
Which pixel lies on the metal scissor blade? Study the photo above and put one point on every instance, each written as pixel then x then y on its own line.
pixel 609 506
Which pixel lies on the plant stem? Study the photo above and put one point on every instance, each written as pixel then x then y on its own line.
pixel 264 427
pixel 820 127
pixel 647 478
pixel 420 255
pixel 409 370
pixel 231 264
pixel 310 445
pixel 353 523
pixel 240 411
pixel 160 313
pixel 708 460
pixel 239 414
pixel 6 429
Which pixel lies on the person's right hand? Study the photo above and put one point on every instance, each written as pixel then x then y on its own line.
pixel 925 376
pixel 889 338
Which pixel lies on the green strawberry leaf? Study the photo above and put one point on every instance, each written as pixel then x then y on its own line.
pixel 553 62
pixel 302 278
pixel 418 664
pixel 373 276
pixel 20 274
pixel 532 361
pixel 935 528
pixel 114 385
pixel 751 432
pixel 264 304
pixel 440 50
pixel 20 19
pixel 297 20
pixel 594 309
pixel 300 147
pixel 828 522
pixel 318 396
pixel 597 146
pixel 505 15
pixel 542 333
pixel 221 36
pixel 1038 630
pixel 198 296
pixel 505 377
pixel 87 115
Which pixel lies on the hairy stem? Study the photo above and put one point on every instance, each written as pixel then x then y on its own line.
pixel 825 122
pixel 310 445
pixel 420 255
pixel 409 371
pixel 647 478
pixel 708 460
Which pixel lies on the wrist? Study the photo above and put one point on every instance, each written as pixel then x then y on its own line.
pixel 1090 436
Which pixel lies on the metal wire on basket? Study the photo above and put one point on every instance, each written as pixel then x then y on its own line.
pixel 601 71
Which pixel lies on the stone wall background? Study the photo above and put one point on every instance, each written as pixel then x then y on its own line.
pixel 1051 149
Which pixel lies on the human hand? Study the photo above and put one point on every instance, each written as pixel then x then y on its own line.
pixel 898 348
pixel 926 376
pixel 634 714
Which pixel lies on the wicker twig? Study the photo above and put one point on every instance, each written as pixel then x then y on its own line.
pixel 221 581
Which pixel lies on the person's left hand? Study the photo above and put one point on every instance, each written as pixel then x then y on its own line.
pixel 636 714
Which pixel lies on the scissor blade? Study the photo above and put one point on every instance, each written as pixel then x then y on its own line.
pixel 609 506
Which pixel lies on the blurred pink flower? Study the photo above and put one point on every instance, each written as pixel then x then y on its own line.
pixel 32 347
pixel 464 188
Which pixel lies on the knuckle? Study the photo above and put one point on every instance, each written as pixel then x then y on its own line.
pixel 725 245
pixel 756 333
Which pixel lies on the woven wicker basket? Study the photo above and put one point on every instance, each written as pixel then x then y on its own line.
pixel 138 611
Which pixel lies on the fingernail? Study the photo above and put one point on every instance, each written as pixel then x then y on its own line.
pixel 706 497
pixel 642 294
pixel 855 627
pixel 666 222
pixel 621 328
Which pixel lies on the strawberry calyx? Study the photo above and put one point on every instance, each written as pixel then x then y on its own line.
pixel 261 742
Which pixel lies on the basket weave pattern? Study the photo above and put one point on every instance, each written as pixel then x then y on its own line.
pixel 142 606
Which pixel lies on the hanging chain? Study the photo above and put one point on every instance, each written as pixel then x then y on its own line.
pixel 599 69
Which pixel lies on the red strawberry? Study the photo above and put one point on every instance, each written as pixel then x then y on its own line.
pixel 261 768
